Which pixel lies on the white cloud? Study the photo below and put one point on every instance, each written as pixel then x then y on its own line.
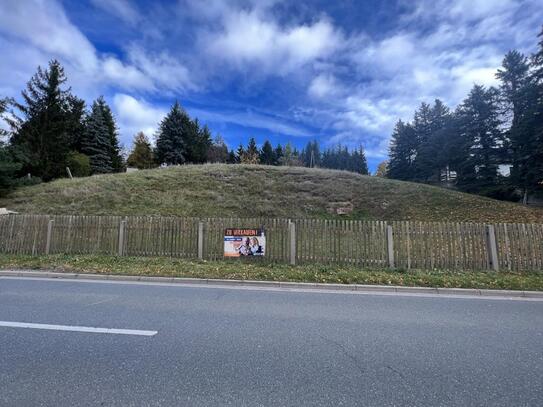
pixel 52 35
pixel 464 47
pixel 45 25
pixel 126 76
pixel 134 115
pixel 324 85
pixel 122 9
pixel 248 118
pixel 249 40
pixel 165 71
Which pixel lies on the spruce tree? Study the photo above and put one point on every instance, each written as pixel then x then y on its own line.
pixel 267 156
pixel 141 156
pixel 402 152
pixel 360 161
pixel 480 141
pixel 278 154
pixel 3 108
pixel 171 147
pixel 201 143
pixel 8 165
pixel 516 92
pixel 533 125
pixel 423 128
pixel 42 132
pixel 311 155
pixel 116 158
pixel 96 141
pixel 232 159
pixel 75 121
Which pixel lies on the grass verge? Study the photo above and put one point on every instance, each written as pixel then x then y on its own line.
pixel 242 270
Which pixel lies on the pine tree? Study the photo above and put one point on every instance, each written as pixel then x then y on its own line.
pixel 278 154
pixel 267 155
pixel 8 165
pixel 116 158
pixel 311 155
pixel 515 91
pixel 75 121
pixel 251 155
pixel 141 156
pixel 96 141
pixel 42 133
pixel 480 141
pixel 197 141
pixel 3 108
pixel 533 125
pixel 423 128
pixel 171 147
pixel 402 152
pixel 360 162
pixel 232 159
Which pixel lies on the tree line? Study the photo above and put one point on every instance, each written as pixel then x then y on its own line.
pixel 493 129
pixel 51 130
pixel 181 140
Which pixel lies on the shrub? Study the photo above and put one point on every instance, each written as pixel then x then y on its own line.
pixel 79 164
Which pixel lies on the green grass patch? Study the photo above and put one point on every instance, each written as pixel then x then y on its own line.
pixel 244 270
pixel 218 190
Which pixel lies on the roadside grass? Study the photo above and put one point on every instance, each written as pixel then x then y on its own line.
pixel 244 270
pixel 218 190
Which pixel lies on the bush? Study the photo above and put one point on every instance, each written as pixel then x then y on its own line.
pixel 27 181
pixel 79 164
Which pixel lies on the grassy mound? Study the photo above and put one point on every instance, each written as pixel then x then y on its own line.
pixel 217 190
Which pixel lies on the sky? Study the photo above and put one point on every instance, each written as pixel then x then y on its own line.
pixel 288 71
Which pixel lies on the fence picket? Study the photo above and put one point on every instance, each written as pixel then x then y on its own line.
pixel 458 246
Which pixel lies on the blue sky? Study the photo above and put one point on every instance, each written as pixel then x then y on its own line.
pixel 340 72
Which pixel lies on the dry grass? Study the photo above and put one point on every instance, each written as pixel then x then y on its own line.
pixel 216 190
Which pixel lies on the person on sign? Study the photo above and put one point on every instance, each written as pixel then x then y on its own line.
pixel 245 248
pixel 255 247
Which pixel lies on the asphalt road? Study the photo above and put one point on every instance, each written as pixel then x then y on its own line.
pixel 248 347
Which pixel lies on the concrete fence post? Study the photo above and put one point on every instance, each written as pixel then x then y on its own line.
pixel 492 248
pixel 200 240
pixel 292 237
pixel 122 231
pixel 49 236
pixel 390 247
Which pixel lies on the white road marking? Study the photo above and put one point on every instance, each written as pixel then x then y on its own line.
pixel 11 324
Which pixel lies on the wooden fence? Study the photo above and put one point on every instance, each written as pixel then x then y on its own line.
pixel 376 244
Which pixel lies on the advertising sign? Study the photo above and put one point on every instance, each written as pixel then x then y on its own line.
pixel 244 242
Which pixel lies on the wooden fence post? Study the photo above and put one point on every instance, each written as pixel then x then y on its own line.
pixel 492 248
pixel 49 236
pixel 390 247
pixel 200 240
pixel 122 227
pixel 292 237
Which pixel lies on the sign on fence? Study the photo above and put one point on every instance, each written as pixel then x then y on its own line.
pixel 244 242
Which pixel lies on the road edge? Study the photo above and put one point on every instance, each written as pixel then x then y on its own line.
pixel 278 284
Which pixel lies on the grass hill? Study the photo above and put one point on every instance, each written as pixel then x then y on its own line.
pixel 217 190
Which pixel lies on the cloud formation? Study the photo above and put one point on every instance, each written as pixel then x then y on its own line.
pixel 285 67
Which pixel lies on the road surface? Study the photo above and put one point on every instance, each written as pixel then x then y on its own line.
pixel 130 344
